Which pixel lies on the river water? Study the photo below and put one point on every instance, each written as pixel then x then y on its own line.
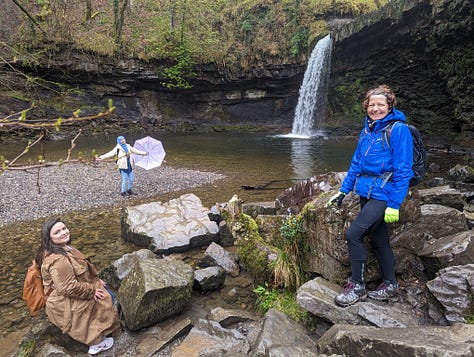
pixel 267 162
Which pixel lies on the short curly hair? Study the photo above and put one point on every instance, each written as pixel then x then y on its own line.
pixel 381 90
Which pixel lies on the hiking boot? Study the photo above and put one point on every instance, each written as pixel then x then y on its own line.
pixel 104 345
pixel 352 293
pixel 384 292
pixel 123 194
pixel 130 192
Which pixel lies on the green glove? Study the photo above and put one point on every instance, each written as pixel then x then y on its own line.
pixel 337 198
pixel 391 215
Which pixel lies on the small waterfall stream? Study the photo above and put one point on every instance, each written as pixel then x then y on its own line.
pixel 311 108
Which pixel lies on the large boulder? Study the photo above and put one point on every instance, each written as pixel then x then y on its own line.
pixel 154 290
pixel 281 331
pixel 436 341
pixel 443 195
pixel 209 338
pixel 317 296
pixel 215 255
pixel 453 287
pixel 455 249
pixel 175 226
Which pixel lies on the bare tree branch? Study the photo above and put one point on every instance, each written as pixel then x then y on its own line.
pixel 28 147
pixel 28 15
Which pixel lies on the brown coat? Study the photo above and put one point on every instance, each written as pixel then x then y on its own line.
pixel 71 305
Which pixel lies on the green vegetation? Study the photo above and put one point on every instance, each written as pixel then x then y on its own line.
pixel 289 270
pixel 26 348
pixel 469 313
pixel 253 251
pixel 244 33
pixel 281 300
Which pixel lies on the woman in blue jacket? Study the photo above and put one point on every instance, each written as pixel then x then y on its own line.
pixel 379 173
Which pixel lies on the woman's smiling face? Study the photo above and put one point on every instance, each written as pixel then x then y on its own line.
pixel 59 234
pixel 378 107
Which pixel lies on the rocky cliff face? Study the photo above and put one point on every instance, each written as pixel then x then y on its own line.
pixel 424 50
pixel 219 96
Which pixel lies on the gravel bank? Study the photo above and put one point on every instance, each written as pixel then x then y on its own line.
pixel 57 190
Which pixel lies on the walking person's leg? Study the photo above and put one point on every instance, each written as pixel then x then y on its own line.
pixel 371 214
pixel 123 190
pixel 131 180
pixel 380 241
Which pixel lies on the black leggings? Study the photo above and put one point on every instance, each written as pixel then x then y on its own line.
pixel 370 220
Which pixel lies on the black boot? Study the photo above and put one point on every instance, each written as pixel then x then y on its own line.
pixel 130 192
pixel 123 194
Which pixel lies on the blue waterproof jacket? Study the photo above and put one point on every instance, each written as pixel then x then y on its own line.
pixel 380 170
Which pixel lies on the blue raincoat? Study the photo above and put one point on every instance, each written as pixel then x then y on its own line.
pixel 378 170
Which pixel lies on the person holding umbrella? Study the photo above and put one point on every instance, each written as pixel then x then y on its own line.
pixel 125 163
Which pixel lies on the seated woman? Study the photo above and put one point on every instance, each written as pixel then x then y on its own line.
pixel 80 304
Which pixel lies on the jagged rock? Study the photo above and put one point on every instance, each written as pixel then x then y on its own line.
pixel 228 317
pixel 293 199
pixel 317 296
pixel 210 339
pixel 456 249
pixel 162 334
pixel 154 290
pixel 326 229
pixel 281 331
pixel 227 239
pixel 463 173
pixel 216 255
pixel 215 213
pixel 436 221
pixel 433 341
pixel 443 195
pixel 208 279
pixel 234 207
pixel 125 263
pixel 454 289
pixel 469 219
pixel 118 270
pixel 175 226
pixel 259 208
pixel 284 351
pixel 49 350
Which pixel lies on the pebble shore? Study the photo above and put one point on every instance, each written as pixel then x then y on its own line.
pixel 32 194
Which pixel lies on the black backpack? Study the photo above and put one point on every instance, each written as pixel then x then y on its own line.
pixel 419 151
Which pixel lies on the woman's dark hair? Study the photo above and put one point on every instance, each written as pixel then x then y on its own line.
pixel 47 246
pixel 381 90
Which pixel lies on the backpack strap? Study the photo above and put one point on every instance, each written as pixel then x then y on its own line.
pixel 387 131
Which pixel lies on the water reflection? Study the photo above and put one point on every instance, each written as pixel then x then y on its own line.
pixel 301 158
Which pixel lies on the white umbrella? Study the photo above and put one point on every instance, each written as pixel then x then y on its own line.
pixel 155 150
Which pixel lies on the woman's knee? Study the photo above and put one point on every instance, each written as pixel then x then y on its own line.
pixel 354 234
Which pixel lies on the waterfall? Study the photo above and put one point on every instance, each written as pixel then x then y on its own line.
pixel 311 108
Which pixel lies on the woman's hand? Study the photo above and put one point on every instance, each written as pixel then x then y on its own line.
pixel 99 294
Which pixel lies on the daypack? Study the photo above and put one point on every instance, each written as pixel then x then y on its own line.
pixel 419 151
pixel 33 292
